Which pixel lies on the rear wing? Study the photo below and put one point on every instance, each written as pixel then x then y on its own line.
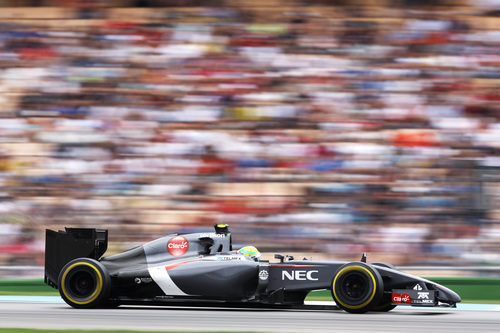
pixel 63 246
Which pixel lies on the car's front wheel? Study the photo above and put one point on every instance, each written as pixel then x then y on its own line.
pixel 384 307
pixel 357 287
pixel 84 283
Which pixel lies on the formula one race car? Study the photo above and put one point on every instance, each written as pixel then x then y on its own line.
pixel 202 268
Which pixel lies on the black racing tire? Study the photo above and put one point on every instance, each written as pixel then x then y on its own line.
pixel 384 307
pixel 110 305
pixel 385 304
pixel 84 283
pixel 357 287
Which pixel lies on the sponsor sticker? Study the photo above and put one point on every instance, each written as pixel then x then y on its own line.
pixel 139 280
pixel 405 298
pixel 229 258
pixel 423 295
pixel 263 275
pixel 224 258
pixel 425 301
pixel 213 235
pixel 300 275
pixel 177 246
pixel 414 297
pixel 401 298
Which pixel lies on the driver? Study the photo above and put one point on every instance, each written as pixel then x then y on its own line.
pixel 250 252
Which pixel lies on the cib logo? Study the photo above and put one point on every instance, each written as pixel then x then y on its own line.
pixel 296 275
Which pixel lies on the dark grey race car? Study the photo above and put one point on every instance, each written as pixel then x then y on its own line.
pixel 202 268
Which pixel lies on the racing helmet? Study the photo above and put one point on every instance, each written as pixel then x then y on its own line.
pixel 250 252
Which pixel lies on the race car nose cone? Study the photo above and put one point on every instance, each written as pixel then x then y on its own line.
pixel 447 295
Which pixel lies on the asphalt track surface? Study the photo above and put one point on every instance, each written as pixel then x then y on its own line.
pixel 60 316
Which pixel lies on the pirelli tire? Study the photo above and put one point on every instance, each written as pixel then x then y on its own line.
pixel 385 304
pixel 357 287
pixel 84 283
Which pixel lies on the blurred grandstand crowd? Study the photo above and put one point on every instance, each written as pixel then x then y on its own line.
pixel 327 127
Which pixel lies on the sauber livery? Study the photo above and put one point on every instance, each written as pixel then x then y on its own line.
pixel 199 268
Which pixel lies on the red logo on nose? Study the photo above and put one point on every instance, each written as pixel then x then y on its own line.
pixel 177 246
pixel 405 298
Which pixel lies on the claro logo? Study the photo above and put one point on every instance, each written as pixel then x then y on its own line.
pixel 300 275
pixel 177 246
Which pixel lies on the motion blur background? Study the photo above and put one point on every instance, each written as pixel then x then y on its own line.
pixel 325 128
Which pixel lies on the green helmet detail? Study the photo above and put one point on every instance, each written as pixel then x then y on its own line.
pixel 250 251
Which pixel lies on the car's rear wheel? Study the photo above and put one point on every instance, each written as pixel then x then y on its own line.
pixel 357 287
pixel 84 283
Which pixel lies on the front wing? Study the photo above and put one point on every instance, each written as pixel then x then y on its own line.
pixel 414 297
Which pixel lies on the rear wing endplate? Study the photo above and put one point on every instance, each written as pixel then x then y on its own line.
pixel 63 246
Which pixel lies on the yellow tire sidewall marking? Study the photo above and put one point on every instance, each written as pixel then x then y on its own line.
pixel 97 291
pixel 358 269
